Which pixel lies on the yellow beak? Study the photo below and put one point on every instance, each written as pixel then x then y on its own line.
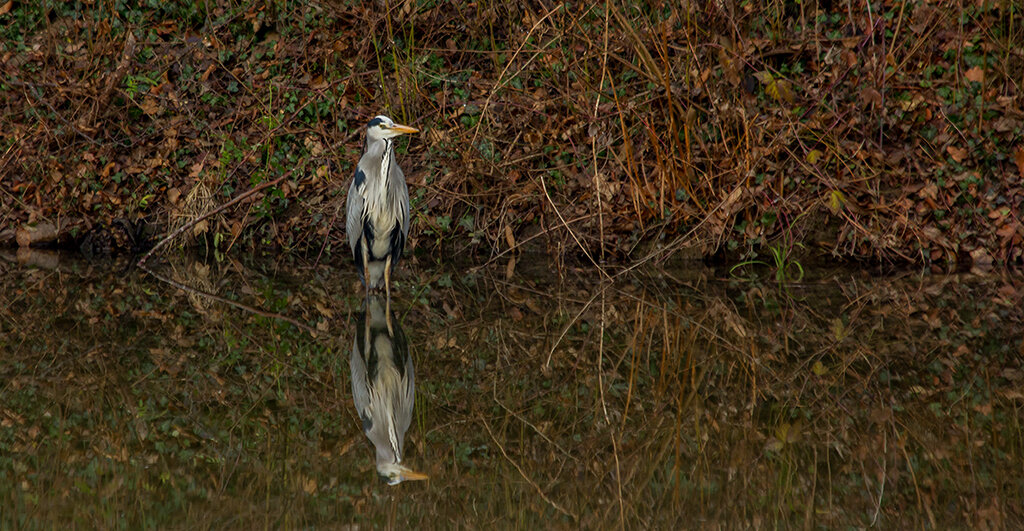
pixel 404 129
pixel 409 475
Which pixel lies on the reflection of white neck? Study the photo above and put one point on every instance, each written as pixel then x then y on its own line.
pixel 386 397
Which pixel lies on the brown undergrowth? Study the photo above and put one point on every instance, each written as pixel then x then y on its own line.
pixel 882 131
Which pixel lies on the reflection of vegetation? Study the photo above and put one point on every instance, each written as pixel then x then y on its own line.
pixel 146 407
pixel 892 401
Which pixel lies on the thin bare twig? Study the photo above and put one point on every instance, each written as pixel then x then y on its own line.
pixel 593 138
pixel 524 241
pixel 565 224
pixel 498 83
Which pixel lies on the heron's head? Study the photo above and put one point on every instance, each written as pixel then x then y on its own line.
pixel 383 127
pixel 395 473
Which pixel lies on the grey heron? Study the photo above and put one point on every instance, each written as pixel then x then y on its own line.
pixel 377 208
pixel 383 388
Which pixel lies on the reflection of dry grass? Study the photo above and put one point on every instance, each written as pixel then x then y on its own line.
pixel 780 412
pixel 195 275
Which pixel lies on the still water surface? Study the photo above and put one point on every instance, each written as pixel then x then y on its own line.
pixel 679 399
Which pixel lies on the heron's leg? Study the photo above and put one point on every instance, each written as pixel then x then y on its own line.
pixel 366 265
pixel 387 278
pixel 387 288
pixel 366 325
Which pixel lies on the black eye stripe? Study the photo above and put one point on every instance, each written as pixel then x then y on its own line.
pixel 375 121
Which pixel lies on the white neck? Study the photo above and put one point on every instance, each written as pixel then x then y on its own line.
pixel 380 151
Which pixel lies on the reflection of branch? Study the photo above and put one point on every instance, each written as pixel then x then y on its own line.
pixel 572 322
pixel 527 478
pixel 312 331
pixel 190 224
pixel 520 418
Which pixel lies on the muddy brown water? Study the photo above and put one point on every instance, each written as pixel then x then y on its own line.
pixel 680 398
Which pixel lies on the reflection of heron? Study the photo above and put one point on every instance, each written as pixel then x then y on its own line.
pixel 377 208
pixel 383 388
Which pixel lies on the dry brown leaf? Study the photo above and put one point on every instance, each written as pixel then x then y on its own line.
pixel 728 63
pixel 781 90
pixel 1007 230
pixel 934 234
pixel 1013 394
pixel 914 102
pixel 850 58
pixel 733 197
pixel 981 257
pixel 836 200
pixel 324 310
pixel 6 7
pixel 765 77
pixel 871 96
pixel 206 74
pixel 975 74
pixel 929 191
pixel 196 169
pixel 1018 159
pixel 105 172
pixel 150 106
pixel 510 238
pixel 958 153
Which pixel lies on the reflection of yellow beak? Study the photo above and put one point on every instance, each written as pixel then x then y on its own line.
pixel 409 475
pixel 404 129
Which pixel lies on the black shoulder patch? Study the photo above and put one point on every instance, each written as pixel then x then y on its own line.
pixel 360 178
pixel 368 234
pixel 375 121
pixel 367 423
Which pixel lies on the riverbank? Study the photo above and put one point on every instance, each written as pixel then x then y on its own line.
pixel 889 134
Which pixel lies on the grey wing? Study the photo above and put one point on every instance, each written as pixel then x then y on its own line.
pixel 360 387
pixel 354 209
pixel 402 197
pixel 408 398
